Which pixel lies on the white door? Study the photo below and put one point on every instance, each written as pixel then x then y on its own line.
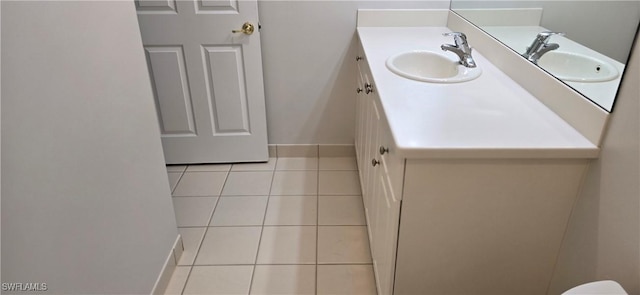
pixel 207 80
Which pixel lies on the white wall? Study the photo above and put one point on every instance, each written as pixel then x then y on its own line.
pixel 603 236
pixel 86 206
pixel 308 49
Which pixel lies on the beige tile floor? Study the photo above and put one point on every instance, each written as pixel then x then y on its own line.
pixel 288 226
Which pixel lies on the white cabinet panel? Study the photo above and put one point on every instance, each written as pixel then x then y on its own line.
pixel 468 226
pixel 381 198
pixel 484 226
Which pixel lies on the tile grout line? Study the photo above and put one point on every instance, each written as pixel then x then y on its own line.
pixel 318 171
pixel 317 218
pixel 206 171
pixel 177 262
pixel 184 172
pixel 278 264
pixel 205 231
pixel 264 217
pixel 271 225
pixel 207 196
pixel 177 182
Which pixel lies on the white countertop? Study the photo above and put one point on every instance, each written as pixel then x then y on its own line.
pixel 489 117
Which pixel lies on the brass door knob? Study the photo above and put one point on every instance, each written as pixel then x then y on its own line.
pixel 247 29
pixel 375 162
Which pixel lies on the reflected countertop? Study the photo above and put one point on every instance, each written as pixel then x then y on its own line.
pixel 519 37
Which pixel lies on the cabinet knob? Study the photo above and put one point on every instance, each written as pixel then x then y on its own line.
pixel 383 150
pixel 358 58
pixel 368 88
pixel 375 162
pixel 358 90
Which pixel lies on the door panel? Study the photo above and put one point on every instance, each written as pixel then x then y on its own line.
pixel 226 89
pixel 217 6
pixel 171 89
pixel 207 80
pixel 156 6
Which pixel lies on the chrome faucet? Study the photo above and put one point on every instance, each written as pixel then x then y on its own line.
pixel 540 46
pixel 461 49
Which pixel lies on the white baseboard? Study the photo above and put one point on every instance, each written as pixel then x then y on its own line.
pixel 169 266
pixel 311 150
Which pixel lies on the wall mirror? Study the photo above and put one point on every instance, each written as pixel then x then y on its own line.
pixel 591 53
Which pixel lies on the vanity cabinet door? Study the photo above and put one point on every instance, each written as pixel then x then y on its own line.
pixel 384 232
pixel 372 173
pixel 367 131
pixel 361 117
pixel 381 176
pixel 385 204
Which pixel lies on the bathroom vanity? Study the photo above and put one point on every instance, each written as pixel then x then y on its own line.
pixel 467 187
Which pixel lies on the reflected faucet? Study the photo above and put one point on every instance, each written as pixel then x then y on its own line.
pixel 540 46
pixel 461 49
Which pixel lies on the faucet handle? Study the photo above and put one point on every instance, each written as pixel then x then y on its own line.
pixel 454 34
pixel 549 33
pixel 545 35
pixel 459 37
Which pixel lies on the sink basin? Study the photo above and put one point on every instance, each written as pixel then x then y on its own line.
pixel 428 66
pixel 577 67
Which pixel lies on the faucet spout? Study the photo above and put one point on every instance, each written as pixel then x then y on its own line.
pixel 540 46
pixel 469 62
pixel 544 49
pixel 465 57
pixel 461 49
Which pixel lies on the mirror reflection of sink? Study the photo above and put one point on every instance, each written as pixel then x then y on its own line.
pixel 577 67
pixel 428 66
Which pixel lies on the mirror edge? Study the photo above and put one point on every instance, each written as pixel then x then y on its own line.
pixel 622 75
